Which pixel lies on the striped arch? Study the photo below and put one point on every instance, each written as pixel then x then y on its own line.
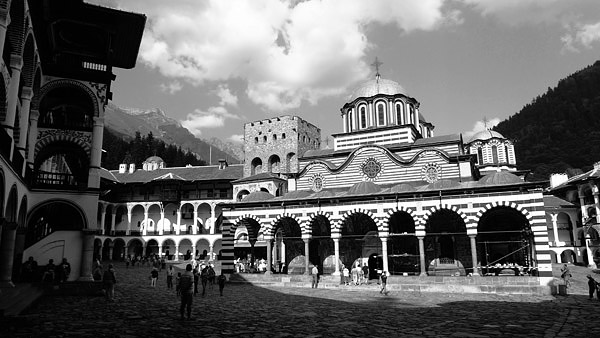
pixel 48 87
pixel 412 213
pixel 236 223
pixel 432 210
pixel 51 138
pixel 312 218
pixel 337 226
pixel 29 60
pixel 271 227
pixel 512 205
pixel 15 32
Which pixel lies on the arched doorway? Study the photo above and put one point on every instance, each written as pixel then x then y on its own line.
pixel 403 245
pixel 320 247
pixel 253 252
pixel 106 249
pixel 135 248
pixel 118 250
pixel 447 247
pixel 359 240
pixel 504 236
pixel 53 216
pixel 288 246
pixel 152 248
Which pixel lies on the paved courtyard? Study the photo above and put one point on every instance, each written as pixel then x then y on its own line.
pixel 251 311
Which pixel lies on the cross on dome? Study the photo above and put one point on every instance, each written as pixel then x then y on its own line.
pixel 376 64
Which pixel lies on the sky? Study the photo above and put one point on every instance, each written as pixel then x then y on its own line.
pixel 214 65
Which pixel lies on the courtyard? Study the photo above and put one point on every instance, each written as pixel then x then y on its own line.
pixel 252 311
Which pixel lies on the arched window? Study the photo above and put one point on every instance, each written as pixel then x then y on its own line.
pixel 274 162
pixel 399 114
pixel 363 117
pixel 274 137
pixel 256 140
pixel 256 166
pixel 265 138
pixel 480 155
pixel 506 153
pixel 411 114
pixel 349 120
pixel 283 136
pixel 495 154
pixel 380 114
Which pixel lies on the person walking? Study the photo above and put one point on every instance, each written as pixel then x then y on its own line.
pixel 346 274
pixel 221 281
pixel 170 273
pixel 196 275
pixel 186 287
pixel 315 277
pixel 384 283
pixel 65 270
pixel 153 277
pixel 204 279
pixel 365 270
pixel 109 279
pixel 591 286
pixel 565 274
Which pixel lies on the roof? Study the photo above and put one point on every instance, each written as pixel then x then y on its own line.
pixel 499 178
pixel 258 196
pixel 197 173
pixel 259 177
pixel 156 159
pixel 376 86
pixel 551 201
pixel 593 174
pixel 485 135
pixel 364 188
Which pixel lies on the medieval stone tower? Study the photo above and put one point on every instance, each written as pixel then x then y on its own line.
pixel 273 145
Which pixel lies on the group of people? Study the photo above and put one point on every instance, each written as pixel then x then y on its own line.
pixel 187 286
pixel 153 260
pixel 359 275
pixel 49 274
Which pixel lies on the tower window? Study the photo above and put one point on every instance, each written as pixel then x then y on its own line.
pixel 349 120
pixel 274 137
pixel 399 114
pixel 480 155
pixel 363 118
pixel 256 140
pixel 265 138
pixel 283 136
pixel 495 154
pixel 380 114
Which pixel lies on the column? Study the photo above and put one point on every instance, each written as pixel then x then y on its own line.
pixel 178 226
pixel 96 153
pixel 584 214
pixel 129 220
pixel 103 219
pixel 110 252
pixel 474 254
pixel 554 228
pixel 384 252
pixel 210 251
pixel 161 229
pixel 7 250
pixel 588 252
pixel 145 226
pixel 26 95
pixel 34 115
pixel 422 256
pixel 345 121
pixel 16 63
pixel 159 250
pixel 112 221
pixel 306 260
pixel 370 115
pixel 145 250
pixel 194 226
pixel 596 202
pixel 100 253
pixel 194 251
pixel 176 252
pixel 87 255
pixel 336 249
pixel 269 258
pixel 213 218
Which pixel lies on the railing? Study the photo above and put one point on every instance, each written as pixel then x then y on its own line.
pixel 61 120
pixel 445 260
pixel 54 179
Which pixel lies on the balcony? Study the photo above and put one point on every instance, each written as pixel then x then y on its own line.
pixel 54 180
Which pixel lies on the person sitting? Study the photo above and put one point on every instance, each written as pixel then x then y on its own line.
pixel 49 272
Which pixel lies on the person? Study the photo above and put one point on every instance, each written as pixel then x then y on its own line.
pixel 384 283
pixel 170 277
pixel 97 274
pixel 204 279
pixel 177 287
pixel 186 287
pixel 361 275
pixel 346 274
pixel 153 277
pixel 565 274
pixel 591 286
pixel 29 270
pixel 211 276
pixel 196 275
pixel 109 279
pixel 221 281
pixel 315 277
pixel 49 272
pixel 365 270
pixel 65 270
pixel 127 262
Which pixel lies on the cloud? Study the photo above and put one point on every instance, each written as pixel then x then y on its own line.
pixel 236 138
pixel 172 87
pixel 288 52
pixel 214 117
pixel 583 36
pixel 227 98
pixel 480 126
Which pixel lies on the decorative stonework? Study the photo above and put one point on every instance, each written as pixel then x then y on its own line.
pixel 317 182
pixel 431 172
pixel 371 168
pixel 100 91
pixel 47 136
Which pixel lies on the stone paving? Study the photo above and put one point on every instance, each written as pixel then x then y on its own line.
pixel 251 311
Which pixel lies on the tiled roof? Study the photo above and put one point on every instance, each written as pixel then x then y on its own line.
pixel 555 202
pixel 199 173
pixel 593 174
pixel 259 177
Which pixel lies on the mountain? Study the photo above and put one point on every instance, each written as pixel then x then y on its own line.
pixel 559 130
pixel 126 121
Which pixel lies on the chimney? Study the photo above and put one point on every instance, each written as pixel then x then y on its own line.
pixel 122 168
pixel 131 168
pixel 222 164
pixel 597 165
pixel 558 179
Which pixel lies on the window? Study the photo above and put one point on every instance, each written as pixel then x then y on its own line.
pixel 283 136
pixel 363 117
pixel 480 155
pixel 265 138
pixel 495 154
pixel 274 137
pixel 349 120
pixel 256 140
pixel 412 114
pixel 506 153
pixel 399 113
pixel 380 114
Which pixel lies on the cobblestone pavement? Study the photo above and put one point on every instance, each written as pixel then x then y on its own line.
pixel 252 311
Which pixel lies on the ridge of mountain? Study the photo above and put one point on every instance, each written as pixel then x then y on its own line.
pixel 126 121
pixel 559 130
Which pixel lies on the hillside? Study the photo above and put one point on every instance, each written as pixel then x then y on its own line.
pixel 560 129
pixel 126 121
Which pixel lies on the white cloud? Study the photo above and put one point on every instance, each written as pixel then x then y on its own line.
pixel 583 36
pixel 227 98
pixel 237 138
pixel 214 117
pixel 480 126
pixel 172 87
pixel 287 51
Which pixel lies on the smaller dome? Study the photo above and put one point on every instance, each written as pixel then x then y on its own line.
pixel 258 196
pixel 485 135
pixel 364 188
pixel 154 159
pixel 499 178
pixel 376 86
pixel 403 187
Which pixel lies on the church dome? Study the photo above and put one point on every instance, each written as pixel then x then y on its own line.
pixel 258 196
pixel 499 178
pixel 377 86
pixel 485 135
pixel 364 188
pixel 154 159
